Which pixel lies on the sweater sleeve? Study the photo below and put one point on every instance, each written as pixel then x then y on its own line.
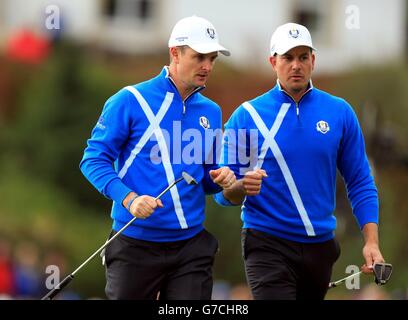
pixel 354 167
pixel 104 146
pixel 212 163
pixel 238 149
pixel 213 157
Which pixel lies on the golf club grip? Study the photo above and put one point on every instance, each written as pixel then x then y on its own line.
pixel 58 288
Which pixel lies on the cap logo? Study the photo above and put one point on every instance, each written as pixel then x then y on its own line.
pixel 211 33
pixel 204 122
pixel 181 39
pixel 294 33
pixel 322 126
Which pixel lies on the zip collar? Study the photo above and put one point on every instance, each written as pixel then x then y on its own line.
pixel 310 88
pixel 167 76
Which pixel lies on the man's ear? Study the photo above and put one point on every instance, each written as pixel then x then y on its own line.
pixel 174 54
pixel 313 60
pixel 272 61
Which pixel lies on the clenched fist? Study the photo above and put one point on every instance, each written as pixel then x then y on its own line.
pixel 223 176
pixel 143 206
pixel 252 182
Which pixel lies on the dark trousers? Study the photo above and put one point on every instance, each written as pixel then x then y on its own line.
pixel 142 270
pixel 279 269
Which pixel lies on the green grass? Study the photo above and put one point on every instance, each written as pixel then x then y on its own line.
pixel 36 212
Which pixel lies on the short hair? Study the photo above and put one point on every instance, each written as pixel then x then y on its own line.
pixel 182 49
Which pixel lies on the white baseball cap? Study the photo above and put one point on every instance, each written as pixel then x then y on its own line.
pixel 197 33
pixel 289 36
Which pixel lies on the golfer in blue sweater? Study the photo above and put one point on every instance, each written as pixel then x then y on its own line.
pixel 296 137
pixel 147 135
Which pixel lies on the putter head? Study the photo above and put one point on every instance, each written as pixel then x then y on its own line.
pixel 382 272
pixel 189 179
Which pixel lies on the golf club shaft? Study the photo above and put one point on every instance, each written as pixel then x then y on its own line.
pixel 58 288
pixel 68 279
pixel 336 283
pixel 168 188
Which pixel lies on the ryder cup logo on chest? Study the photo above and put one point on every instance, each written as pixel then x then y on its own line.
pixel 322 126
pixel 204 122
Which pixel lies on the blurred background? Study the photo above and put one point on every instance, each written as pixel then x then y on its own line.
pixel 60 60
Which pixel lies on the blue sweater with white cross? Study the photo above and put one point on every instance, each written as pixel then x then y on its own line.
pixel 143 141
pixel 299 146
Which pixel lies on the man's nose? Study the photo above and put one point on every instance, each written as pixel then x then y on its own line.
pixel 296 64
pixel 207 65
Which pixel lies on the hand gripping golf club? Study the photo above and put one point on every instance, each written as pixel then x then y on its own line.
pixel 382 273
pixel 50 295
